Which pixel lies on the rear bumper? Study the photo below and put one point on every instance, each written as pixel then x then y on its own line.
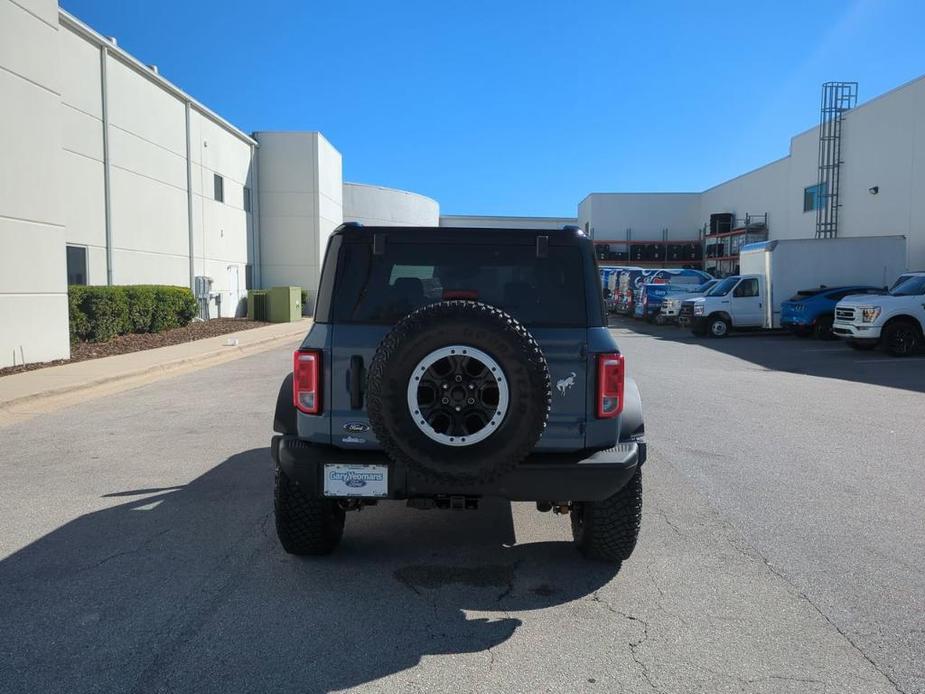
pixel 583 476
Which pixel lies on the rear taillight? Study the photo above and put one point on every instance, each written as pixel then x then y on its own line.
pixel 306 381
pixel 609 385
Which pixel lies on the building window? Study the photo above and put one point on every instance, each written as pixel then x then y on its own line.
pixel 813 197
pixel 247 199
pixel 76 265
pixel 219 188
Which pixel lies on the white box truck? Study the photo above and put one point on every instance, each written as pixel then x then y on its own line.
pixel 773 271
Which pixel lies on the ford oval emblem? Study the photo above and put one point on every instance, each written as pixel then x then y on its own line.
pixel 355 482
pixel 356 427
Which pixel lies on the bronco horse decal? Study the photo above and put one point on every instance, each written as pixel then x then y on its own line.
pixel 564 384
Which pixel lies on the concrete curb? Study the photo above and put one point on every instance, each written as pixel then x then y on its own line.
pixel 25 406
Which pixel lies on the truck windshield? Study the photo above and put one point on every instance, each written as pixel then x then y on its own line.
pixel 724 287
pixel 385 288
pixel 911 287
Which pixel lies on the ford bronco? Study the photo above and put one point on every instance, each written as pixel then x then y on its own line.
pixel 447 365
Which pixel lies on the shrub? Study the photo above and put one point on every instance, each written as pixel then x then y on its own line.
pixel 78 322
pixel 174 307
pixel 141 304
pixel 98 314
pixel 107 312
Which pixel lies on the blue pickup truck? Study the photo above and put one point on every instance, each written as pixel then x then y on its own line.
pixel 811 311
pixel 663 283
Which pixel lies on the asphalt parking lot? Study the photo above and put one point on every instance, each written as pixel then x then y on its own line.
pixel 782 550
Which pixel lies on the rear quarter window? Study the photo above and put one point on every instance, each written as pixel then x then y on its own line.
pixel 384 288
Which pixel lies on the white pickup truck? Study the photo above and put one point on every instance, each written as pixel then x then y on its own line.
pixel 773 271
pixel 895 321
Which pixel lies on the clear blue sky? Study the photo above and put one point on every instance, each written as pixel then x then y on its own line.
pixel 496 107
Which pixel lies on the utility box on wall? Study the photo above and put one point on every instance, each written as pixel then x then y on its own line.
pixel 285 304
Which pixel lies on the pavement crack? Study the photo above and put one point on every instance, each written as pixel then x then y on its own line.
pixel 633 645
pixel 754 551
pixel 262 523
pixel 115 555
pixel 842 632
pixel 510 584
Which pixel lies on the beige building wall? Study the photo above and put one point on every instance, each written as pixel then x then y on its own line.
pixel 379 206
pixel 33 298
pixel 164 150
pixel 301 203
pixel 476 221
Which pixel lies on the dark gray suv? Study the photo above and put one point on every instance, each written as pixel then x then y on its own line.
pixel 447 365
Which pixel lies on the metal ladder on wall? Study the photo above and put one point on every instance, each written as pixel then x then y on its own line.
pixel 837 99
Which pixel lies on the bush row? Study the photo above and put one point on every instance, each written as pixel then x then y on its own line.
pixel 98 314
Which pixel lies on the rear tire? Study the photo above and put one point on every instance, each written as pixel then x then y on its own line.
pixel 304 525
pixel 607 530
pixel 901 338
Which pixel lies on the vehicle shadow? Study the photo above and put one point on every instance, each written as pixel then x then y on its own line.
pixel 780 351
pixel 187 588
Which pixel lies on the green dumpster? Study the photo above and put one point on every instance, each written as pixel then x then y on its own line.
pixel 285 304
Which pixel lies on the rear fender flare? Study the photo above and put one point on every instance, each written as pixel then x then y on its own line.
pixel 285 418
pixel 632 425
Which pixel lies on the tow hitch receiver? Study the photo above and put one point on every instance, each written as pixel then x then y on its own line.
pixel 457 503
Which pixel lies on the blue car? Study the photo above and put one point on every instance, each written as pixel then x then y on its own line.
pixel 812 311
pixel 662 283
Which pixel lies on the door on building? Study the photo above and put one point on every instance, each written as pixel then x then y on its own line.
pixel 234 290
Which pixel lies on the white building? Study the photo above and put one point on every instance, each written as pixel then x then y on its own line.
pixel 881 189
pixel 110 174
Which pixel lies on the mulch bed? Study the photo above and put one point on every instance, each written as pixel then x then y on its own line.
pixel 124 344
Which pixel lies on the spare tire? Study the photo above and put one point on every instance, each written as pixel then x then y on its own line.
pixel 459 392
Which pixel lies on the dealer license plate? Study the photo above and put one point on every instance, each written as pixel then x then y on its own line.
pixel 356 480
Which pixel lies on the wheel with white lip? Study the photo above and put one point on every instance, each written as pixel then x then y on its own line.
pixel 458 391
pixel 458 395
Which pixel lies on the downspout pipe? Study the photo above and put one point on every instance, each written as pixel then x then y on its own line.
pixel 107 189
pixel 255 217
pixel 189 200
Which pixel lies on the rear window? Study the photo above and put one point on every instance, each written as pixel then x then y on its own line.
pixel 384 288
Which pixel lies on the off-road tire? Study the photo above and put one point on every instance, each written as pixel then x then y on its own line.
pixel 901 338
pixel 305 525
pixel 486 328
pixel 607 530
